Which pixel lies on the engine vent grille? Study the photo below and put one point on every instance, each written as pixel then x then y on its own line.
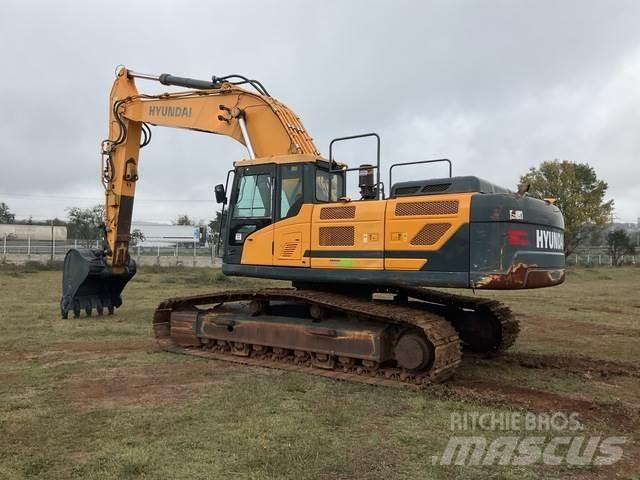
pixel 337 236
pixel 334 213
pixel 406 190
pixel 438 187
pixel 430 233
pixel 288 249
pixel 445 207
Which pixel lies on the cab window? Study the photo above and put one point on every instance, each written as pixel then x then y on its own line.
pixel 328 182
pixel 291 198
pixel 254 197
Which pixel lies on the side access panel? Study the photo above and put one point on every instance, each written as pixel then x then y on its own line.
pixel 428 233
pixel 258 247
pixel 292 237
pixel 348 235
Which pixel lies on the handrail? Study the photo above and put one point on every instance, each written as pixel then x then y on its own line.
pixel 418 162
pixel 352 137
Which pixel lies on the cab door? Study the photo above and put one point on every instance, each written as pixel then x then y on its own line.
pixel 292 227
pixel 250 232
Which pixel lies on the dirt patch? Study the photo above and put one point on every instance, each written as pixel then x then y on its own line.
pixel 66 351
pixel 7 378
pixel 621 417
pixel 587 367
pixel 570 328
pixel 112 346
pixel 603 309
pixel 151 385
pixel 627 467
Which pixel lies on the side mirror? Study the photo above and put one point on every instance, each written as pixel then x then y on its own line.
pixel 220 195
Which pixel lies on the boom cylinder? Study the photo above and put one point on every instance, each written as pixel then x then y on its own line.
pixel 245 136
pixel 168 79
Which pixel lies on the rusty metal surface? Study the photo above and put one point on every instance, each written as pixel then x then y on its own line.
pixel 177 334
pixel 412 352
pixel 386 378
pixel 521 276
pixel 333 336
pixel 180 336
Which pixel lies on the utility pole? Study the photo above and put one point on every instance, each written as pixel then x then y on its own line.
pixel 53 242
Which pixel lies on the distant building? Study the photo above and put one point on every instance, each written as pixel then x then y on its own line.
pixel 627 226
pixel 157 235
pixel 16 231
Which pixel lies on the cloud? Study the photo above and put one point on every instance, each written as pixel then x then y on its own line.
pixel 496 86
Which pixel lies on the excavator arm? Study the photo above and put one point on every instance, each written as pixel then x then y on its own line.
pixel 264 125
pixel 95 278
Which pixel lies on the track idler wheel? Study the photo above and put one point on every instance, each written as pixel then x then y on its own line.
pixel 258 307
pixel 317 312
pixel 480 333
pixel 413 352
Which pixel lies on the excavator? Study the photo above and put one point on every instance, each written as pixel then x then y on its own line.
pixel 361 305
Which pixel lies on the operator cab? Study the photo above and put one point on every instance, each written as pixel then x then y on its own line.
pixel 265 191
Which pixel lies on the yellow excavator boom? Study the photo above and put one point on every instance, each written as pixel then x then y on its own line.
pixel 94 278
pixel 261 123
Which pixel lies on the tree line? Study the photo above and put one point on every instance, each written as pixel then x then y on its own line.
pixel 576 190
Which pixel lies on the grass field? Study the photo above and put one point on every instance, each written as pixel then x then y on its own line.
pixel 95 398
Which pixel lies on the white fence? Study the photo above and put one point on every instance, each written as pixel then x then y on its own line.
pixel 21 251
pixel 600 260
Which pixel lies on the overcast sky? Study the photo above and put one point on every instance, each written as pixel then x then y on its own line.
pixel 497 86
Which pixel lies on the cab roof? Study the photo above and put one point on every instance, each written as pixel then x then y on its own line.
pixel 283 159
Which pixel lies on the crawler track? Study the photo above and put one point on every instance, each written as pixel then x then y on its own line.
pixel 494 311
pixel 180 337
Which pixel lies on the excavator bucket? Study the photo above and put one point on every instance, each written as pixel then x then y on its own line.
pixel 88 283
